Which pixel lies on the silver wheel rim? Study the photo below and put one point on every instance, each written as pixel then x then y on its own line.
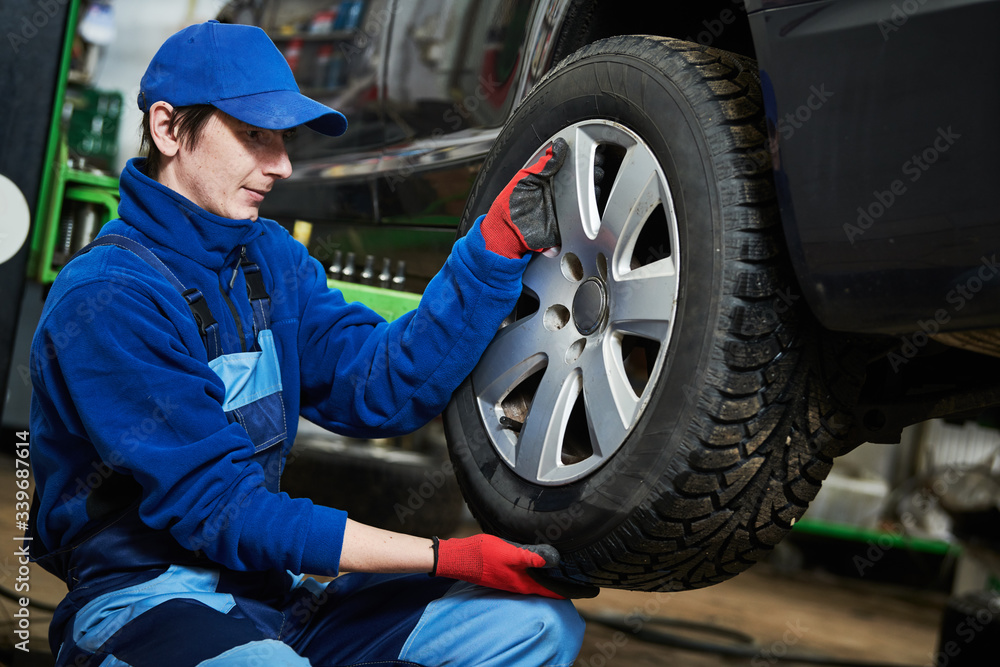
pixel 560 390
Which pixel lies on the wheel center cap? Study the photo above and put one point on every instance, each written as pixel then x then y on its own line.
pixel 590 306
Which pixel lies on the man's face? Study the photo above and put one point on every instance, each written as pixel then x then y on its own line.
pixel 231 167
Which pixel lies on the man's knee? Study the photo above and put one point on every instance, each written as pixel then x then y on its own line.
pixel 498 630
pixel 555 624
pixel 265 653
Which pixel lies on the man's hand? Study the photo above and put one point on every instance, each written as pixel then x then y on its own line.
pixel 523 217
pixel 490 561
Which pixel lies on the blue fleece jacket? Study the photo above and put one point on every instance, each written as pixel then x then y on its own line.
pixel 121 378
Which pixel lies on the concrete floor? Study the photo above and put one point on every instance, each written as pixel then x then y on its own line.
pixel 803 613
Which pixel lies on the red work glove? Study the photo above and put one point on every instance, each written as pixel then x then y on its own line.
pixel 523 217
pixel 487 560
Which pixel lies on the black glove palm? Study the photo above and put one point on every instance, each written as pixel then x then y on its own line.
pixel 523 216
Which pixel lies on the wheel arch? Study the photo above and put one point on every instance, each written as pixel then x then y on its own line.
pixel 720 23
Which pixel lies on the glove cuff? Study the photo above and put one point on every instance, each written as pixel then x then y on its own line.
pixel 502 236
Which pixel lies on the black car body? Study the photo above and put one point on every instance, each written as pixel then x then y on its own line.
pixel 885 143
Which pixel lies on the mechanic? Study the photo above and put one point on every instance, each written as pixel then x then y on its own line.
pixel 171 363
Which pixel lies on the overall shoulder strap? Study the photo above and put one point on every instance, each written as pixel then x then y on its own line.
pixel 260 300
pixel 207 325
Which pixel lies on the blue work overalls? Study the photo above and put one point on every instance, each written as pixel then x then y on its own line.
pixel 138 598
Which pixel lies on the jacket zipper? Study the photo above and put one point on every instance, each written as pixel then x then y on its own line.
pixel 232 307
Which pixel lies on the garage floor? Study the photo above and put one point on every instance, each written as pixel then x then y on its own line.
pixel 801 613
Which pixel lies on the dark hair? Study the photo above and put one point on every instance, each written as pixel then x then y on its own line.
pixel 187 121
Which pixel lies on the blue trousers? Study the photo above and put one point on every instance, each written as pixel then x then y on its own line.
pixel 180 619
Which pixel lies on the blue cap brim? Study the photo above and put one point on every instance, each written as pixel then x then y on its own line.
pixel 284 109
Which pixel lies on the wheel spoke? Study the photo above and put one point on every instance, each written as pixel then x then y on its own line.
pixel 573 191
pixel 634 194
pixel 611 404
pixel 539 447
pixel 514 354
pixel 642 300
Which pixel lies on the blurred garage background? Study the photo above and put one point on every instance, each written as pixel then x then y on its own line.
pixel 873 574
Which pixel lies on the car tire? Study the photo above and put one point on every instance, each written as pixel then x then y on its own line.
pixel 655 406
pixel 412 491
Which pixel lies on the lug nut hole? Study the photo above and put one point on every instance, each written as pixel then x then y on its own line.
pixel 556 317
pixel 571 267
pixel 575 350
pixel 602 266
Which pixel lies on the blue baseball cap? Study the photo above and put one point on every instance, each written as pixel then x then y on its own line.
pixel 238 70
